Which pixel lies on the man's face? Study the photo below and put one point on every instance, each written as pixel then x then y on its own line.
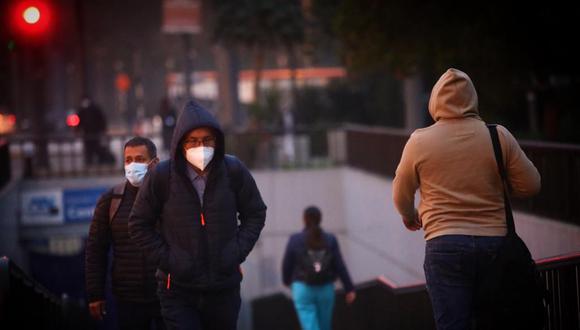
pixel 137 154
pixel 202 136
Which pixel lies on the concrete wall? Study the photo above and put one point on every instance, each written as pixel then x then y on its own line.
pixel 358 207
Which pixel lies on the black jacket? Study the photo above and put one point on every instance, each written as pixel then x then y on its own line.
pixel 197 256
pixel 133 274
pixel 295 248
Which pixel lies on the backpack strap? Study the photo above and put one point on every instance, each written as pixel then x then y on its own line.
pixel 161 184
pixel 234 169
pixel 116 198
pixel 502 172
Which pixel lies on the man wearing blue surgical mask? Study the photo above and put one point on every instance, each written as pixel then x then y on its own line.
pixel 133 273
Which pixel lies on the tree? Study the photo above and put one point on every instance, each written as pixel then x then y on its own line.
pixel 260 26
pixel 509 49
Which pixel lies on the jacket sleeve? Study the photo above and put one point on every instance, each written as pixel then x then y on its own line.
pixel 97 249
pixel 143 221
pixel 340 266
pixel 288 263
pixel 522 175
pixel 406 181
pixel 252 214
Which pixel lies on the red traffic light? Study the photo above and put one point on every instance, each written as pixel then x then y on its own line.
pixel 31 18
pixel 31 15
pixel 73 120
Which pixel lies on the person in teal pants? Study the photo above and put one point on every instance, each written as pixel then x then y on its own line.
pixel 312 263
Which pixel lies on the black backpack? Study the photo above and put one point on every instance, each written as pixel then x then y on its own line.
pixel 317 266
pixel 116 198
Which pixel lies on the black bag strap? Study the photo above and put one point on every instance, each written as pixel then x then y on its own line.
pixel 117 196
pixel 502 172
pixel 234 170
pixel 161 184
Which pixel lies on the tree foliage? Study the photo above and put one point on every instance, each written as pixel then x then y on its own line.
pixel 410 34
pixel 266 23
pixel 508 48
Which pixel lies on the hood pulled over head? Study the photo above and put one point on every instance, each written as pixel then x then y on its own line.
pixel 193 116
pixel 453 96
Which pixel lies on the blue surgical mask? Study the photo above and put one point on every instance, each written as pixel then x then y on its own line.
pixel 135 172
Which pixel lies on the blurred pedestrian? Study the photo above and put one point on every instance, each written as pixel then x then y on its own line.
pixel 461 210
pixel 134 285
pixel 210 214
pixel 312 262
pixel 93 126
pixel 168 118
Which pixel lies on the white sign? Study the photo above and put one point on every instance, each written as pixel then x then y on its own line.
pixel 42 207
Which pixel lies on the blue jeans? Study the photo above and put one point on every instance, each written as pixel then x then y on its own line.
pixel 453 265
pixel 314 305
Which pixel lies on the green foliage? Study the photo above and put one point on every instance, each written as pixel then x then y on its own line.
pixel 267 113
pixel 373 100
pixel 263 23
pixel 406 35
pixel 508 49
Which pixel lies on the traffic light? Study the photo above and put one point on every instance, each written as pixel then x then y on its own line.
pixel 31 19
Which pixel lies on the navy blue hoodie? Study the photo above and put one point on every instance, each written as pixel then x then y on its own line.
pixel 191 253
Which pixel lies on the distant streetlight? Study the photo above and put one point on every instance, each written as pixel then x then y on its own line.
pixel 31 20
pixel 31 15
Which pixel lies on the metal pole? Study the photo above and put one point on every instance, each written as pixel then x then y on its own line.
pixel 187 65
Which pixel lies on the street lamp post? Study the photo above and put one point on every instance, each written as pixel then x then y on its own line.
pixel 31 25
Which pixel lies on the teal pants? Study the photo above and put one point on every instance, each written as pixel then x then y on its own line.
pixel 314 305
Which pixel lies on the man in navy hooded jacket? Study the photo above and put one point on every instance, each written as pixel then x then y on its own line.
pixel 198 215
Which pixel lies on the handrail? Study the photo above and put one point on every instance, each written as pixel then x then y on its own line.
pixel 378 150
pixel 26 304
pixel 558 261
pixel 400 288
pixel 408 306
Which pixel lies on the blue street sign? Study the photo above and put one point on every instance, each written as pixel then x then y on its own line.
pixel 79 204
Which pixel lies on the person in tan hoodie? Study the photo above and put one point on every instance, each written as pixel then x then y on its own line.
pixel 461 209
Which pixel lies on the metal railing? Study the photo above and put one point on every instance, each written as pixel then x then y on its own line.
pixel 382 304
pixel 25 304
pixel 559 166
pixel 561 276
pixel 379 151
pixel 65 155
pixel 378 305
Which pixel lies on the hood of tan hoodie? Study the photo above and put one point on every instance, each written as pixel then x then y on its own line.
pixel 453 97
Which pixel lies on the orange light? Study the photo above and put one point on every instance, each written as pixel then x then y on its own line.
pixel 7 123
pixel 11 119
pixel 73 120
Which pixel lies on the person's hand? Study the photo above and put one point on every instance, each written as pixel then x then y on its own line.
pixel 414 223
pixel 97 309
pixel 350 297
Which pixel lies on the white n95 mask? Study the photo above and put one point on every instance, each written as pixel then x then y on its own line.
pixel 199 156
pixel 135 172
